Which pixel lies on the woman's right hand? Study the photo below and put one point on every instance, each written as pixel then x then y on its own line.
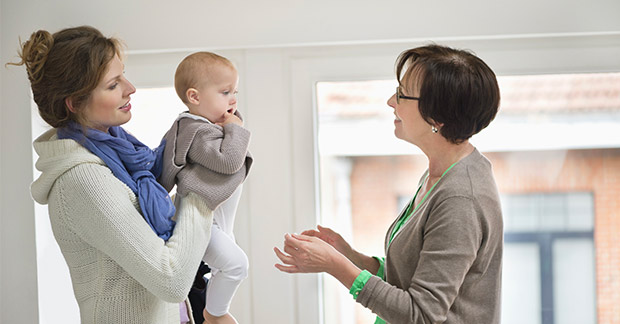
pixel 332 238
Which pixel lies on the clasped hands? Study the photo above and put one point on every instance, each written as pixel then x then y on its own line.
pixel 312 251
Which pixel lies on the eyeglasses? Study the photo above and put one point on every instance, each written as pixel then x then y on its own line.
pixel 399 96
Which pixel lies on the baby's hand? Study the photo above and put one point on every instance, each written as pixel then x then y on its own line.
pixel 232 118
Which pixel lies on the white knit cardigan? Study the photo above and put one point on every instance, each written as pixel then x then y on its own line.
pixel 121 271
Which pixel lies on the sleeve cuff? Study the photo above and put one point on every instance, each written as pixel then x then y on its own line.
pixel 380 273
pixel 359 283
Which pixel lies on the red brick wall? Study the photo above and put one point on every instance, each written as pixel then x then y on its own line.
pixel 377 182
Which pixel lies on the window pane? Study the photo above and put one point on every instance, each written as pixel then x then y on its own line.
pixel 558 212
pixel 573 281
pixel 580 210
pixel 155 110
pixel 551 212
pixel 521 284
pixel 520 213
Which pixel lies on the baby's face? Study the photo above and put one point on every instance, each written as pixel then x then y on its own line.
pixel 218 98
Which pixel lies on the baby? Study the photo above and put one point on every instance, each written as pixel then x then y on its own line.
pixel 207 153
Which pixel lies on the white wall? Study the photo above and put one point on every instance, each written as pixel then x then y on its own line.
pixel 154 25
pixel 270 40
pixel 1 258
pixel 17 237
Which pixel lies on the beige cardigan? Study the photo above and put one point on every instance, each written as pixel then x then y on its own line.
pixel 444 266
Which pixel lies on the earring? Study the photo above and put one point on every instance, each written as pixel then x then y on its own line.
pixel 434 129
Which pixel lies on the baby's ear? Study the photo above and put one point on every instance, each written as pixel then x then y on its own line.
pixel 192 96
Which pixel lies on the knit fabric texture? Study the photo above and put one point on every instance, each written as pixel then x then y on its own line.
pixel 120 270
pixel 207 159
pixel 135 164
pixel 444 265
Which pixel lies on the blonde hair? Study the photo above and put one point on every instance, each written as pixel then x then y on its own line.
pixel 67 64
pixel 194 70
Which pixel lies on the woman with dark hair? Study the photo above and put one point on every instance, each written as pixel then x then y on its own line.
pixel 444 251
pixel 129 261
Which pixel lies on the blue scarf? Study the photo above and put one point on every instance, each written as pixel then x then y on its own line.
pixel 136 165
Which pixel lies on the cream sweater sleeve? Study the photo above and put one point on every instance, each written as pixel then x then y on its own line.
pixel 99 209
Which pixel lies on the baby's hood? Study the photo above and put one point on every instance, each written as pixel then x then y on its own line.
pixel 55 158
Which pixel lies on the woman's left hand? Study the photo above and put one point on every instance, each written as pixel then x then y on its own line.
pixel 307 254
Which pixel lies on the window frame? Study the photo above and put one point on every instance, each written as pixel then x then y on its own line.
pixel 516 55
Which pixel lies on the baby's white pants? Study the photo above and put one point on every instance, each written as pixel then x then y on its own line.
pixel 229 266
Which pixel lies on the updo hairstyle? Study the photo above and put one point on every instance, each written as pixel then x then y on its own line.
pixel 67 64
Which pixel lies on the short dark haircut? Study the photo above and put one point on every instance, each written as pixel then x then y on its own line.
pixel 457 89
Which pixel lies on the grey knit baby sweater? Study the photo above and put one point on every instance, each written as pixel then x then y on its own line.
pixel 204 158
pixel 445 263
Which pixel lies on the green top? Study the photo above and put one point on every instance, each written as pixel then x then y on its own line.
pixel 363 277
pixel 410 212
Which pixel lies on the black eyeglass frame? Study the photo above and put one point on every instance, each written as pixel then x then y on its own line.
pixel 399 96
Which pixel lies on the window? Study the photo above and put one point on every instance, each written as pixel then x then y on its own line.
pixel 549 274
pixel 160 107
pixel 556 158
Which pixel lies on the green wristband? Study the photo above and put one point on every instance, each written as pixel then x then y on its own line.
pixel 359 283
